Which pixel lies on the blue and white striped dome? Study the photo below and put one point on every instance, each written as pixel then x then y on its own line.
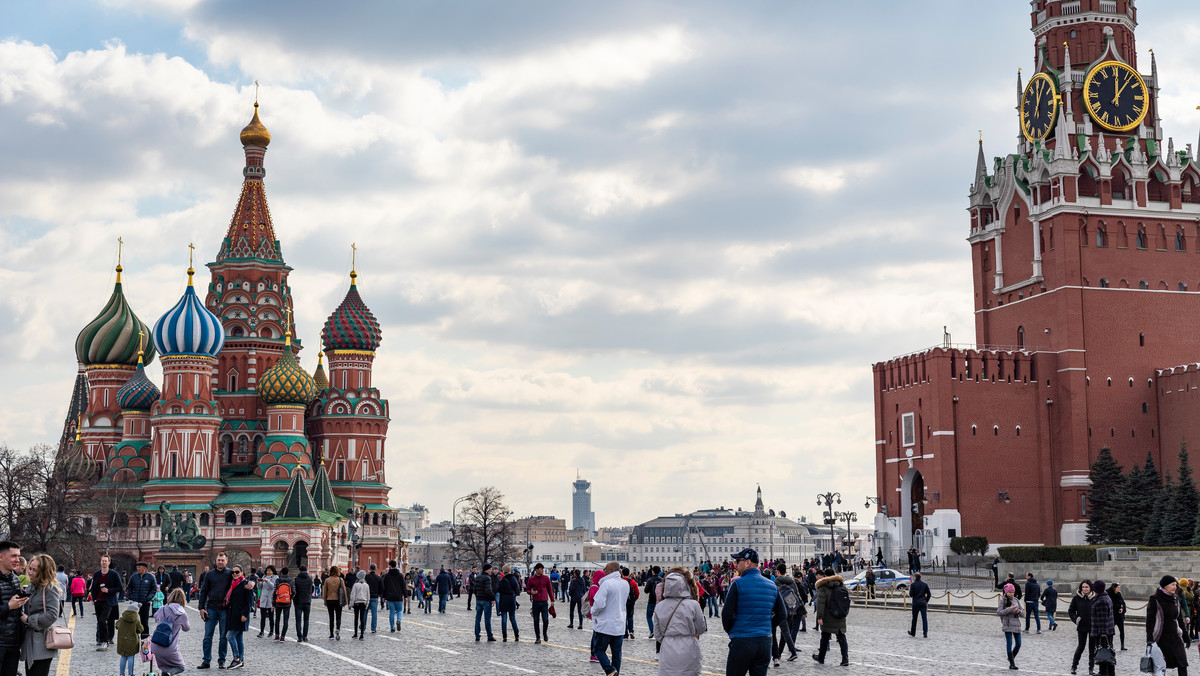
pixel 188 328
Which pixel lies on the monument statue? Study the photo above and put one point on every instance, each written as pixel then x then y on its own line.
pixel 177 533
pixel 167 539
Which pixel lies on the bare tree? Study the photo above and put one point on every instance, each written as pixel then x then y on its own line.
pixel 486 534
pixel 49 516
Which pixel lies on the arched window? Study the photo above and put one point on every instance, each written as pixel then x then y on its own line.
pixel 1101 236
pixel 995 430
pixel 1018 430
pixel 230 518
pixel 1180 244
pixel 1182 286
pixel 1141 238
pixel 1143 285
pixel 247 518
pixel 383 520
pixel 233 381
pixel 1021 337
pixel 121 520
pixel 973 430
pixel 1103 283
pixel 237 332
pixel 204 519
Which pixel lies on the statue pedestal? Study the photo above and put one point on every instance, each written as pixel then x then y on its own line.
pixel 188 561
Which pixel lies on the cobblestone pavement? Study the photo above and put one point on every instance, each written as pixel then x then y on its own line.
pixel 442 645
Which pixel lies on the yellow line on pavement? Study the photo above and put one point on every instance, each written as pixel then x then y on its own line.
pixel 64 656
pixel 430 626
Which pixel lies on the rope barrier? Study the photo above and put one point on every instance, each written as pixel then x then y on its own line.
pixel 861 596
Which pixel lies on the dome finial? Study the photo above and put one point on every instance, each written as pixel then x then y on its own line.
pixel 191 270
pixel 255 133
pixel 120 245
pixel 353 263
pixel 287 327
pixel 141 346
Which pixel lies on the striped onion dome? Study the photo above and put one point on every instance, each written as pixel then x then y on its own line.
pixel 113 336
pixel 319 377
pixel 287 382
pixel 138 393
pixel 352 326
pixel 189 328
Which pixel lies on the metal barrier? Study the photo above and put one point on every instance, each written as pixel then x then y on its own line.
pixel 899 600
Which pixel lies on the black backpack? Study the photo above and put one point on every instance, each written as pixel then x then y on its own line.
pixel 791 601
pixel 839 602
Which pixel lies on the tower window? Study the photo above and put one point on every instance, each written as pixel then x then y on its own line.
pixel 1141 343
pixel 1141 238
pixel 1143 285
pixel 1021 337
pixel 1179 243
pixel 1182 286
pixel 1101 237
pixel 1145 407
pixel 233 382
pixel 1103 283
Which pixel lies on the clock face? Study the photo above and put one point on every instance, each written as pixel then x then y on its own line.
pixel 1115 95
pixel 1039 105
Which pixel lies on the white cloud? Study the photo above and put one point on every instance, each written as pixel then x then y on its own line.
pixel 828 179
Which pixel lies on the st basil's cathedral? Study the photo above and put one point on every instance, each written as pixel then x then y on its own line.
pixel 240 450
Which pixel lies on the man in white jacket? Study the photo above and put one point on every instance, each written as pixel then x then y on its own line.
pixel 608 617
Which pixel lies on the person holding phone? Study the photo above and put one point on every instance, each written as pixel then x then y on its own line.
pixel 106 589
pixel 11 608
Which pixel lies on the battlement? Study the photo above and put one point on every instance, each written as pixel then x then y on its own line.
pixel 981 365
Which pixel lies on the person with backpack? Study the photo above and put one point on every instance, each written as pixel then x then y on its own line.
pixel 285 589
pixel 651 590
pixel 920 593
pixel 752 607
pixel 266 602
pixel 790 593
pixel 833 605
pixel 164 642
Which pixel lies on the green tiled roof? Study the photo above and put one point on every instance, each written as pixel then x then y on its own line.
pixel 376 507
pixel 249 498
pixel 322 491
pixel 188 507
pixel 298 505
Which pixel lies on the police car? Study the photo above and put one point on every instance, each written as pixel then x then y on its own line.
pixel 885 578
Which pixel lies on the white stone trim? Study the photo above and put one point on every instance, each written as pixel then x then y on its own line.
pixel 944 433
pixel 1073 480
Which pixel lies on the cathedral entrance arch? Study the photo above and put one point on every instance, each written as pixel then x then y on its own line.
pixel 299 554
pixel 239 557
pixel 912 507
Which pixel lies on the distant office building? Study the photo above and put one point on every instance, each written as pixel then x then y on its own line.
pixel 582 515
pixel 539 529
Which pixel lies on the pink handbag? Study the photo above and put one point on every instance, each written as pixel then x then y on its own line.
pixel 58 636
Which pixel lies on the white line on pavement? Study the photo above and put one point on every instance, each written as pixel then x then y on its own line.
pixel 343 658
pixel 880 666
pixel 445 650
pixel 501 664
pixel 965 664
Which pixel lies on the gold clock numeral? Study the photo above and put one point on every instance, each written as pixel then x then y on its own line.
pixel 1096 106
pixel 1104 117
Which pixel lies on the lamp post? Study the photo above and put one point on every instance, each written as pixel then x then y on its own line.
pixel 848 517
pixel 529 544
pixel 454 523
pixel 826 500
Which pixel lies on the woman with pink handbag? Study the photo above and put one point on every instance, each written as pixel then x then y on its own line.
pixel 43 637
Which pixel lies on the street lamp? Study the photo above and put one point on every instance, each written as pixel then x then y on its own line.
pixel 355 537
pixel 848 517
pixel 826 500
pixel 454 523
pixel 529 544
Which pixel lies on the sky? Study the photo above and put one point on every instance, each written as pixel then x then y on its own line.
pixel 657 243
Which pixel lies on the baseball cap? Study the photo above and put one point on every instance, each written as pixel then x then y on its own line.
pixel 747 553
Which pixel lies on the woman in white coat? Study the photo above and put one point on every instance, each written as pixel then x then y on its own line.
pixel 678 623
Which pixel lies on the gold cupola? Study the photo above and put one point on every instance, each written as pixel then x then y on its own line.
pixel 255 133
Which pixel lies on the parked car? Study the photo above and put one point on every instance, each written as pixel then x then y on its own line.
pixel 885 578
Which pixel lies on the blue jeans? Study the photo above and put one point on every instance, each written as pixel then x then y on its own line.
pixel 395 613
pixel 216 619
pixel 429 605
pixel 505 616
pixel 127 660
pixel 650 616
pixel 601 645
pixel 236 645
pixel 1031 610
pixel 1050 616
pixel 483 609
pixel 442 602
pixel 373 608
pixel 1012 640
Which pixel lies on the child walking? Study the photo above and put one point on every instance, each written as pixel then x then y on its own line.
pixel 129 643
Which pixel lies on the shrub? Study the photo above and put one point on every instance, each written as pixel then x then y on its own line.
pixel 969 544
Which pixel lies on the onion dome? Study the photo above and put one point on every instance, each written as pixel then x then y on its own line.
pixel 319 377
pixel 113 336
pixel 255 133
pixel 189 328
pixel 352 326
pixel 138 393
pixel 287 382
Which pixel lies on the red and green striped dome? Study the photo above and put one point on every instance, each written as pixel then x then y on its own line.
pixel 352 326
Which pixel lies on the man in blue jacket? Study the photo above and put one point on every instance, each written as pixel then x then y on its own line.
pixel 444 583
pixel 752 607
pixel 140 589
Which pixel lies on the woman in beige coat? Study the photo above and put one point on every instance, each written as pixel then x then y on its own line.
pixel 678 623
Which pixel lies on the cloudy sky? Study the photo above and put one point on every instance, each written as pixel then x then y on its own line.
pixel 660 242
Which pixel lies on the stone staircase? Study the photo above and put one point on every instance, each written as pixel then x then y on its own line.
pixel 1139 579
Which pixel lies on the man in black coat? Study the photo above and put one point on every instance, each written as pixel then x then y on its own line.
pixel 485 594
pixel 394 591
pixel 214 587
pixel 106 590
pixel 375 584
pixel 302 597
pixel 919 591
pixel 10 608
pixel 1033 592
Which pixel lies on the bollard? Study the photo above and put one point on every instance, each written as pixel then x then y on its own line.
pixel 972 603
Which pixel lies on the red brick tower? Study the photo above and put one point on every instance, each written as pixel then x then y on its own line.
pixel 1083 250
pixel 249 292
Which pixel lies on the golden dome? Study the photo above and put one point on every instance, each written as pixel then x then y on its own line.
pixel 255 134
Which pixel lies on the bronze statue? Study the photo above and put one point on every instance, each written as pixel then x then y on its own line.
pixel 167 539
pixel 177 533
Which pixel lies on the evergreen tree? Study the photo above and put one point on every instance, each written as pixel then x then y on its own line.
pixel 1179 524
pixel 1104 506
pixel 1130 526
pixel 1154 529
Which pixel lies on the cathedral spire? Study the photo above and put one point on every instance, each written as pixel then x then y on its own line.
pixel 251 234
pixel 980 165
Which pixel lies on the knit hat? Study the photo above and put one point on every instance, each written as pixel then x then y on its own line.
pixel 362 574
pixel 133 606
pixel 1098 586
pixel 1049 583
pixel 1166 580
pixel 1009 588
pixel 1183 582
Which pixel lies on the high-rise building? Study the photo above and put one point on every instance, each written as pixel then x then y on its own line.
pixel 1085 307
pixel 582 515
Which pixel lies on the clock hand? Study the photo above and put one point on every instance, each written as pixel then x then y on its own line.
pixel 1117 98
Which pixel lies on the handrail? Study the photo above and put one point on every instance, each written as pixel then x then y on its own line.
pixel 893 594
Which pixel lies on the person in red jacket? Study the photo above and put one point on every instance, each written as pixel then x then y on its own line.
pixel 540 593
